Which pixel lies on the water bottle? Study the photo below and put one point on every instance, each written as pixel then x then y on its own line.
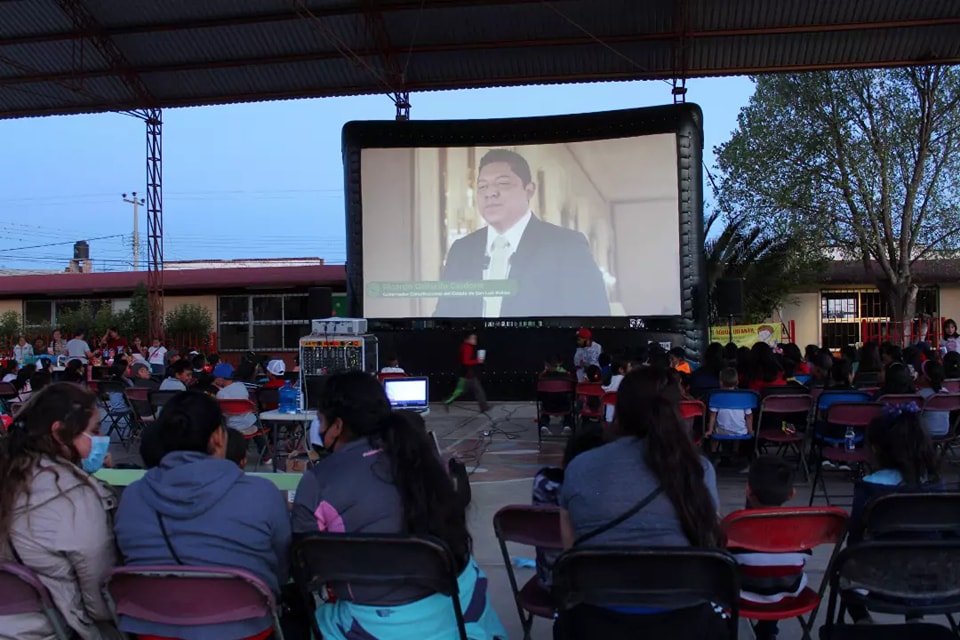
pixel 849 437
pixel 288 399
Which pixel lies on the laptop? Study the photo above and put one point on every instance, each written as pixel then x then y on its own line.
pixel 408 394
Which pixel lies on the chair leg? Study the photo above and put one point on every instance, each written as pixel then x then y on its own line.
pixel 817 477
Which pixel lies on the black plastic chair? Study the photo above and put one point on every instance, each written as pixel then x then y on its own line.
pixel 377 559
pixel 895 577
pixel 907 515
pixel 120 419
pixel 655 577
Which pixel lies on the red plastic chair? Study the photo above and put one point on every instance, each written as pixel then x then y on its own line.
pixel 690 410
pixel 535 527
pixel 241 407
pixel 561 389
pixel 586 393
pixel 189 596
pixel 785 405
pixel 22 592
pixel 844 414
pixel 787 530
pixel 390 376
pixel 953 386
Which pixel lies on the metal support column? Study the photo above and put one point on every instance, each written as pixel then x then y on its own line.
pixel 154 124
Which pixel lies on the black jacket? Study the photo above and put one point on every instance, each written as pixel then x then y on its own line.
pixel 553 268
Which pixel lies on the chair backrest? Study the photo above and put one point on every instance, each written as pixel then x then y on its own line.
pixel 785 529
pixel 21 590
pixel 664 577
pixel 8 391
pixel 827 398
pixel 529 525
pixel 733 399
pixel 692 409
pixel 381 560
pixel 188 596
pixel 590 389
pixel 853 414
pixel 943 402
pixel 907 514
pixel 902 398
pixel 236 406
pixel 953 386
pixel 160 398
pixel 784 390
pixel 921 577
pixel 555 385
pixel 786 404
pixel 803 378
pixel 137 394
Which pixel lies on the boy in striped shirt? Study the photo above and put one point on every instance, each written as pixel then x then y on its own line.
pixel 769 578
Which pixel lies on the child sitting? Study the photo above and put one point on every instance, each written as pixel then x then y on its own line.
pixel 393 366
pixel 678 360
pixel 729 422
pixel 770 578
pixel 546 493
pixel 930 384
pixel 619 370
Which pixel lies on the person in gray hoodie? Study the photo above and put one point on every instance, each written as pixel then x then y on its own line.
pixel 198 508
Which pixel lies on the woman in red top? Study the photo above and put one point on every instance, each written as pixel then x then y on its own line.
pixel 767 372
pixel 468 375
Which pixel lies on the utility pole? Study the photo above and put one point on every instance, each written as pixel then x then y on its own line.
pixel 136 202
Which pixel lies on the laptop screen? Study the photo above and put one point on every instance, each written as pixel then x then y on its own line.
pixel 406 393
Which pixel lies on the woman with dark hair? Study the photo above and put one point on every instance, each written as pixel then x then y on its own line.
pixel 897 380
pixel 384 476
pixel 707 377
pixel 74 372
pixel 22 383
pixel 792 353
pixel 54 517
pixel 868 372
pixel 198 508
pixel 649 487
pixel 767 371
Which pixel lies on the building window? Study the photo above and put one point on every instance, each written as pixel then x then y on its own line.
pixel 44 315
pixel 844 315
pixel 262 322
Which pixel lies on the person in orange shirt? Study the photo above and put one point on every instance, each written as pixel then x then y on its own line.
pixel 678 360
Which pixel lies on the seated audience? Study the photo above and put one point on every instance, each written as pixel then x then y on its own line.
pixel 197 508
pixel 770 578
pixel 767 371
pixel 236 448
pixel 678 360
pixel 896 380
pixel 383 476
pixel 546 492
pixel 729 422
pixel 553 370
pixel 820 370
pixel 276 369
pixel 707 377
pixel 649 487
pixel 55 518
pixel 393 365
pixel 141 377
pixel 937 423
pixel 74 372
pixel 179 376
pixel 10 371
pixel 22 381
pixel 792 353
pixel 246 423
pixel 890 353
pixel 841 376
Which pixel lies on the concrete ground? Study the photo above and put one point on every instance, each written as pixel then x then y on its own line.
pixel 501 451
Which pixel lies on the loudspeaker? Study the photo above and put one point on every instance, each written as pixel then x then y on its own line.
pixel 319 303
pixel 729 297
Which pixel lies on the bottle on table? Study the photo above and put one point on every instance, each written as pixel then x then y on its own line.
pixel 289 402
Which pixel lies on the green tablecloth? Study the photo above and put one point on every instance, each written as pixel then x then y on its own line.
pixel 123 478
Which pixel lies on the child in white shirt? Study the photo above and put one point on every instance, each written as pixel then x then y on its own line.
pixel 393 366
pixel 619 369
pixel 729 422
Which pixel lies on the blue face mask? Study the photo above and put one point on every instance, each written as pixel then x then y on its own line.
pixel 99 446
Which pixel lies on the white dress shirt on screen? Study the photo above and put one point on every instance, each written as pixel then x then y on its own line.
pixel 492 304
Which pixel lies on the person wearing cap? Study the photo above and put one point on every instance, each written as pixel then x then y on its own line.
pixel 587 353
pixel 230 389
pixel 276 369
pixel 141 376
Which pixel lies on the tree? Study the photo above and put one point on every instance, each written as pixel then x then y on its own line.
pixel 864 163
pixel 189 323
pixel 771 267
pixel 11 324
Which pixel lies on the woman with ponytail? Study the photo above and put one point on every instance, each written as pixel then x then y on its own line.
pixel 55 518
pixel 649 487
pixel 383 476
pixel 198 508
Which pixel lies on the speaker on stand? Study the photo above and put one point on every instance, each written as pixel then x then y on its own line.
pixel 729 299
pixel 319 303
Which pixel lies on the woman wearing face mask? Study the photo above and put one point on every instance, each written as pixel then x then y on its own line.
pixel 54 517
pixel 198 508
pixel 384 476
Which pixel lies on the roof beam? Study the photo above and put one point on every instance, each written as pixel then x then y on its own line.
pixel 253 19
pixel 374 88
pixel 314 56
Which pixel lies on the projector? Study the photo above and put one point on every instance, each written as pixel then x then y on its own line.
pixel 339 326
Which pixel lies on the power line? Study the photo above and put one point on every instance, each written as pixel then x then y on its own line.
pixel 56 244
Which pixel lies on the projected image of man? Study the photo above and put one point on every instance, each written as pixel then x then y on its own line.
pixel 550 268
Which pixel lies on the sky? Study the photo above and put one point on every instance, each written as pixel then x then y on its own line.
pixel 257 180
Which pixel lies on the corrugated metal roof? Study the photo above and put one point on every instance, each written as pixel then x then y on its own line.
pixel 187 52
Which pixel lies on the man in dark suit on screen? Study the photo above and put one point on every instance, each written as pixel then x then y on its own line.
pixel 551 268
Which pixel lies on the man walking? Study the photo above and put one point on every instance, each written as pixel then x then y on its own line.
pixel 469 359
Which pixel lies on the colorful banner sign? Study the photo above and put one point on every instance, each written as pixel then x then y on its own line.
pixel 747 335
